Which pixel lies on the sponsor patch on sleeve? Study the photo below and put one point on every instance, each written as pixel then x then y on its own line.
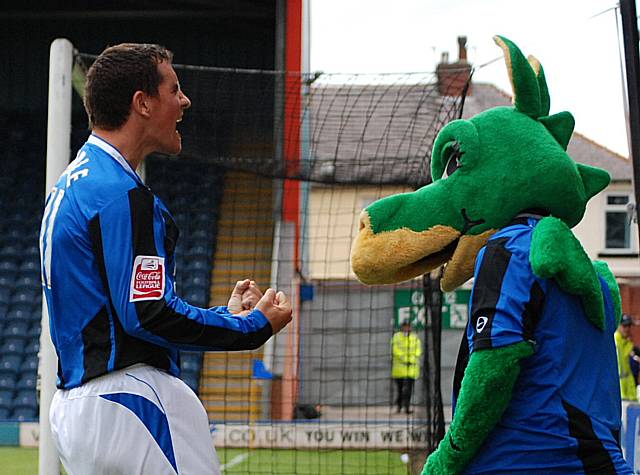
pixel 147 279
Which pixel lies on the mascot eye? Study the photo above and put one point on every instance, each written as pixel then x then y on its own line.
pixel 453 154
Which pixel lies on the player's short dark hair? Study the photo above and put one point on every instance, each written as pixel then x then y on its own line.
pixel 116 75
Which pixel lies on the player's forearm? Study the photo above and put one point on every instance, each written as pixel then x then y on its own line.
pixel 178 324
pixel 486 390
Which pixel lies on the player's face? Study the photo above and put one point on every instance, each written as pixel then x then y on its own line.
pixel 169 106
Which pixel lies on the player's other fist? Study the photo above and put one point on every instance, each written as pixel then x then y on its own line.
pixel 235 301
pixel 277 308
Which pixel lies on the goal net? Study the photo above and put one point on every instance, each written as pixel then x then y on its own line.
pixel 274 172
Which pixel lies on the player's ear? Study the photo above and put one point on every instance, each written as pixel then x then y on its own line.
pixel 140 104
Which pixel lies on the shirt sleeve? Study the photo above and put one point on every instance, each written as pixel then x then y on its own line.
pixel 129 237
pixel 506 300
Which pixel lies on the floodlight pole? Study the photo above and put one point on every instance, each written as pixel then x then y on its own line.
pixel 58 151
pixel 632 66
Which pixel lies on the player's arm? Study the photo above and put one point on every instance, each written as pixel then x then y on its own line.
pixel 505 303
pixel 130 240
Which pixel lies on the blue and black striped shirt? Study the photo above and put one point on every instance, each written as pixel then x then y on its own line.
pixel 107 249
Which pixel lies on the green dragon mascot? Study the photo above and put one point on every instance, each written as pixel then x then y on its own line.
pixel 536 388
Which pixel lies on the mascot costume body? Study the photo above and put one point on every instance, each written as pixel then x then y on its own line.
pixel 536 389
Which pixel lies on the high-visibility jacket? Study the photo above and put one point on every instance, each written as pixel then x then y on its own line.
pixel 406 351
pixel 627 381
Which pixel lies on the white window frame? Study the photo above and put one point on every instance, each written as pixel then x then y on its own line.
pixel 633 229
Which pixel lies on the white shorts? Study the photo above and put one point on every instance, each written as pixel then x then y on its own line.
pixel 139 420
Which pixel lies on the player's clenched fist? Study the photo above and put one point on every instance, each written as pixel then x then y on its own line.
pixel 277 308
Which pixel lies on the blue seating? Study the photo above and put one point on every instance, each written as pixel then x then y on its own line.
pixel 10 252
pixel 19 314
pixel 27 382
pixel 27 282
pixel 7 382
pixel 189 363
pixel 10 364
pixel 6 398
pixel 197 265
pixel 32 347
pixel 4 413
pixel 198 252
pixel 30 265
pixel 25 413
pixel 197 297
pixel 8 267
pixel 29 364
pixel 16 329
pixel 196 280
pixel 5 296
pixel 12 346
pixel 34 331
pixel 6 281
pixel 25 398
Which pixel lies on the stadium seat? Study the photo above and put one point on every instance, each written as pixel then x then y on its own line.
pixel 7 382
pixel 198 252
pixel 6 398
pixel 5 296
pixel 190 363
pixel 10 252
pixel 200 235
pixel 27 382
pixel 29 364
pixel 16 329
pixel 24 296
pixel 34 331
pixel 12 346
pixel 32 347
pixel 27 282
pixel 29 264
pixel 25 398
pixel 10 364
pixel 18 314
pixel 200 280
pixel 8 267
pixel 197 297
pixel 25 413
pixel 6 281
pixel 197 265
pixel 4 413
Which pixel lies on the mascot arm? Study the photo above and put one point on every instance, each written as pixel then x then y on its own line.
pixel 484 395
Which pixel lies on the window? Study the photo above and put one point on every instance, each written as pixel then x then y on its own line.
pixel 619 230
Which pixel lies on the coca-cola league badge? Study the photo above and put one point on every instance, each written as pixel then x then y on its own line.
pixel 147 281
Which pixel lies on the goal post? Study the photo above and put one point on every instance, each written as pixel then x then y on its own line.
pixel 58 150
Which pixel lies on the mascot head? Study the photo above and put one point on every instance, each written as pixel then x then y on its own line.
pixel 485 170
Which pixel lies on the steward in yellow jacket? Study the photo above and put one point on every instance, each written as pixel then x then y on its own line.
pixel 405 369
pixel 624 347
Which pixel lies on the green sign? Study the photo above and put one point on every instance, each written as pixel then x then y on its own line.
pixel 409 304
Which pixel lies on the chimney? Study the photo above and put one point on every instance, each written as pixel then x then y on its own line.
pixel 453 77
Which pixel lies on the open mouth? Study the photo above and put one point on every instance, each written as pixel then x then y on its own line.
pixel 394 256
pixel 442 256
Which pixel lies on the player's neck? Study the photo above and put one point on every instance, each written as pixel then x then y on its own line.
pixel 125 142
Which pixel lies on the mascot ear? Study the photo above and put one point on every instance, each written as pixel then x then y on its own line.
pixel 524 82
pixel 545 102
pixel 594 179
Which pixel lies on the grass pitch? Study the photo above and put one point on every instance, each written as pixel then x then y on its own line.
pixel 23 461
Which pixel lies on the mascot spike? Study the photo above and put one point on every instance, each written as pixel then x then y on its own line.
pixel 526 92
pixel 560 125
pixel 594 179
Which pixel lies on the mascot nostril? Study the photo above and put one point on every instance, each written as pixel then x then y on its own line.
pixel 536 389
